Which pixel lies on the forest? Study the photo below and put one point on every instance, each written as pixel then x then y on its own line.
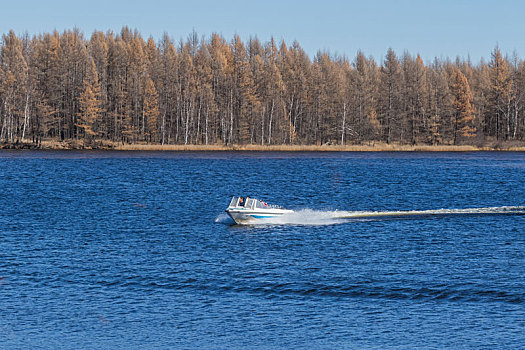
pixel 121 88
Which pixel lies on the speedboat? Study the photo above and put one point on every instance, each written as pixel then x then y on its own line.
pixel 251 210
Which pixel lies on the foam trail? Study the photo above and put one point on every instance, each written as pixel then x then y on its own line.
pixel 467 211
pixel 317 217
pixel 305 217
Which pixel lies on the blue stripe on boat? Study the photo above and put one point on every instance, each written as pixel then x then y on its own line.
pixel 262 216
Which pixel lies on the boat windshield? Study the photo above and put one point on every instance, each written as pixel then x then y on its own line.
pixel 261 205
pixel 250 203
pixel 233 202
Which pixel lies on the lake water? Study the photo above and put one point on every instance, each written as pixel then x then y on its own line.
pixel 133 250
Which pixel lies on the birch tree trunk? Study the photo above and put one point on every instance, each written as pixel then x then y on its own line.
pixel 163 131
pixel 26 117
pixel 206 122
pixel 270 124
pixel 344 125
pixel 231 116
pixel 262 125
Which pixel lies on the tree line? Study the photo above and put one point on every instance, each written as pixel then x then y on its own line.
pixel 122 88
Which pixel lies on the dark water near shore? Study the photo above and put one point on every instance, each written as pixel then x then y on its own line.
pixel 132 250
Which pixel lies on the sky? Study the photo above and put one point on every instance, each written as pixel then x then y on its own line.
pixel 442 29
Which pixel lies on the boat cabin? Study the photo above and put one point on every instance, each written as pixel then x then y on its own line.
pixel 248 203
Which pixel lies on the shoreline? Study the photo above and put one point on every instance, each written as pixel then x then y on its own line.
pixel 323 148
pixel 377 147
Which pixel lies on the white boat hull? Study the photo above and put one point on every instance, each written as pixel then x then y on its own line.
pixel 247 216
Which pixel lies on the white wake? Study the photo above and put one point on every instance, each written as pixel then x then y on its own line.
pixel 319 217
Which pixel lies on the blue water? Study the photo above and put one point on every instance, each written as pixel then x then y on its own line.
pixel 132 250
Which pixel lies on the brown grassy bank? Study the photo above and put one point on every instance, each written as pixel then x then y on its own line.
pixel 322 148
pixel 376 147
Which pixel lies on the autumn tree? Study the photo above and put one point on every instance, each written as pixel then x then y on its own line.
pixel 256 62
pixel 274 89
pixel 151 109
pixel 243 97
pixel 14 89
pixel 48 76
pixel 464 110
pixel 72 62
pixel 295 70
pixel 365 82
pixel 390 95
pixel 99 50
pixel 89 104
pixel 517 97
pixel 498 122
pixel 330 97
pixel 187 91
pixel 167 88
pixel 441 121
pixel 207 108
pixel 415 117
pixel 221 86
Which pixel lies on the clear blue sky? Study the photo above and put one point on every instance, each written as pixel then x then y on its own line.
pixel 445 28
